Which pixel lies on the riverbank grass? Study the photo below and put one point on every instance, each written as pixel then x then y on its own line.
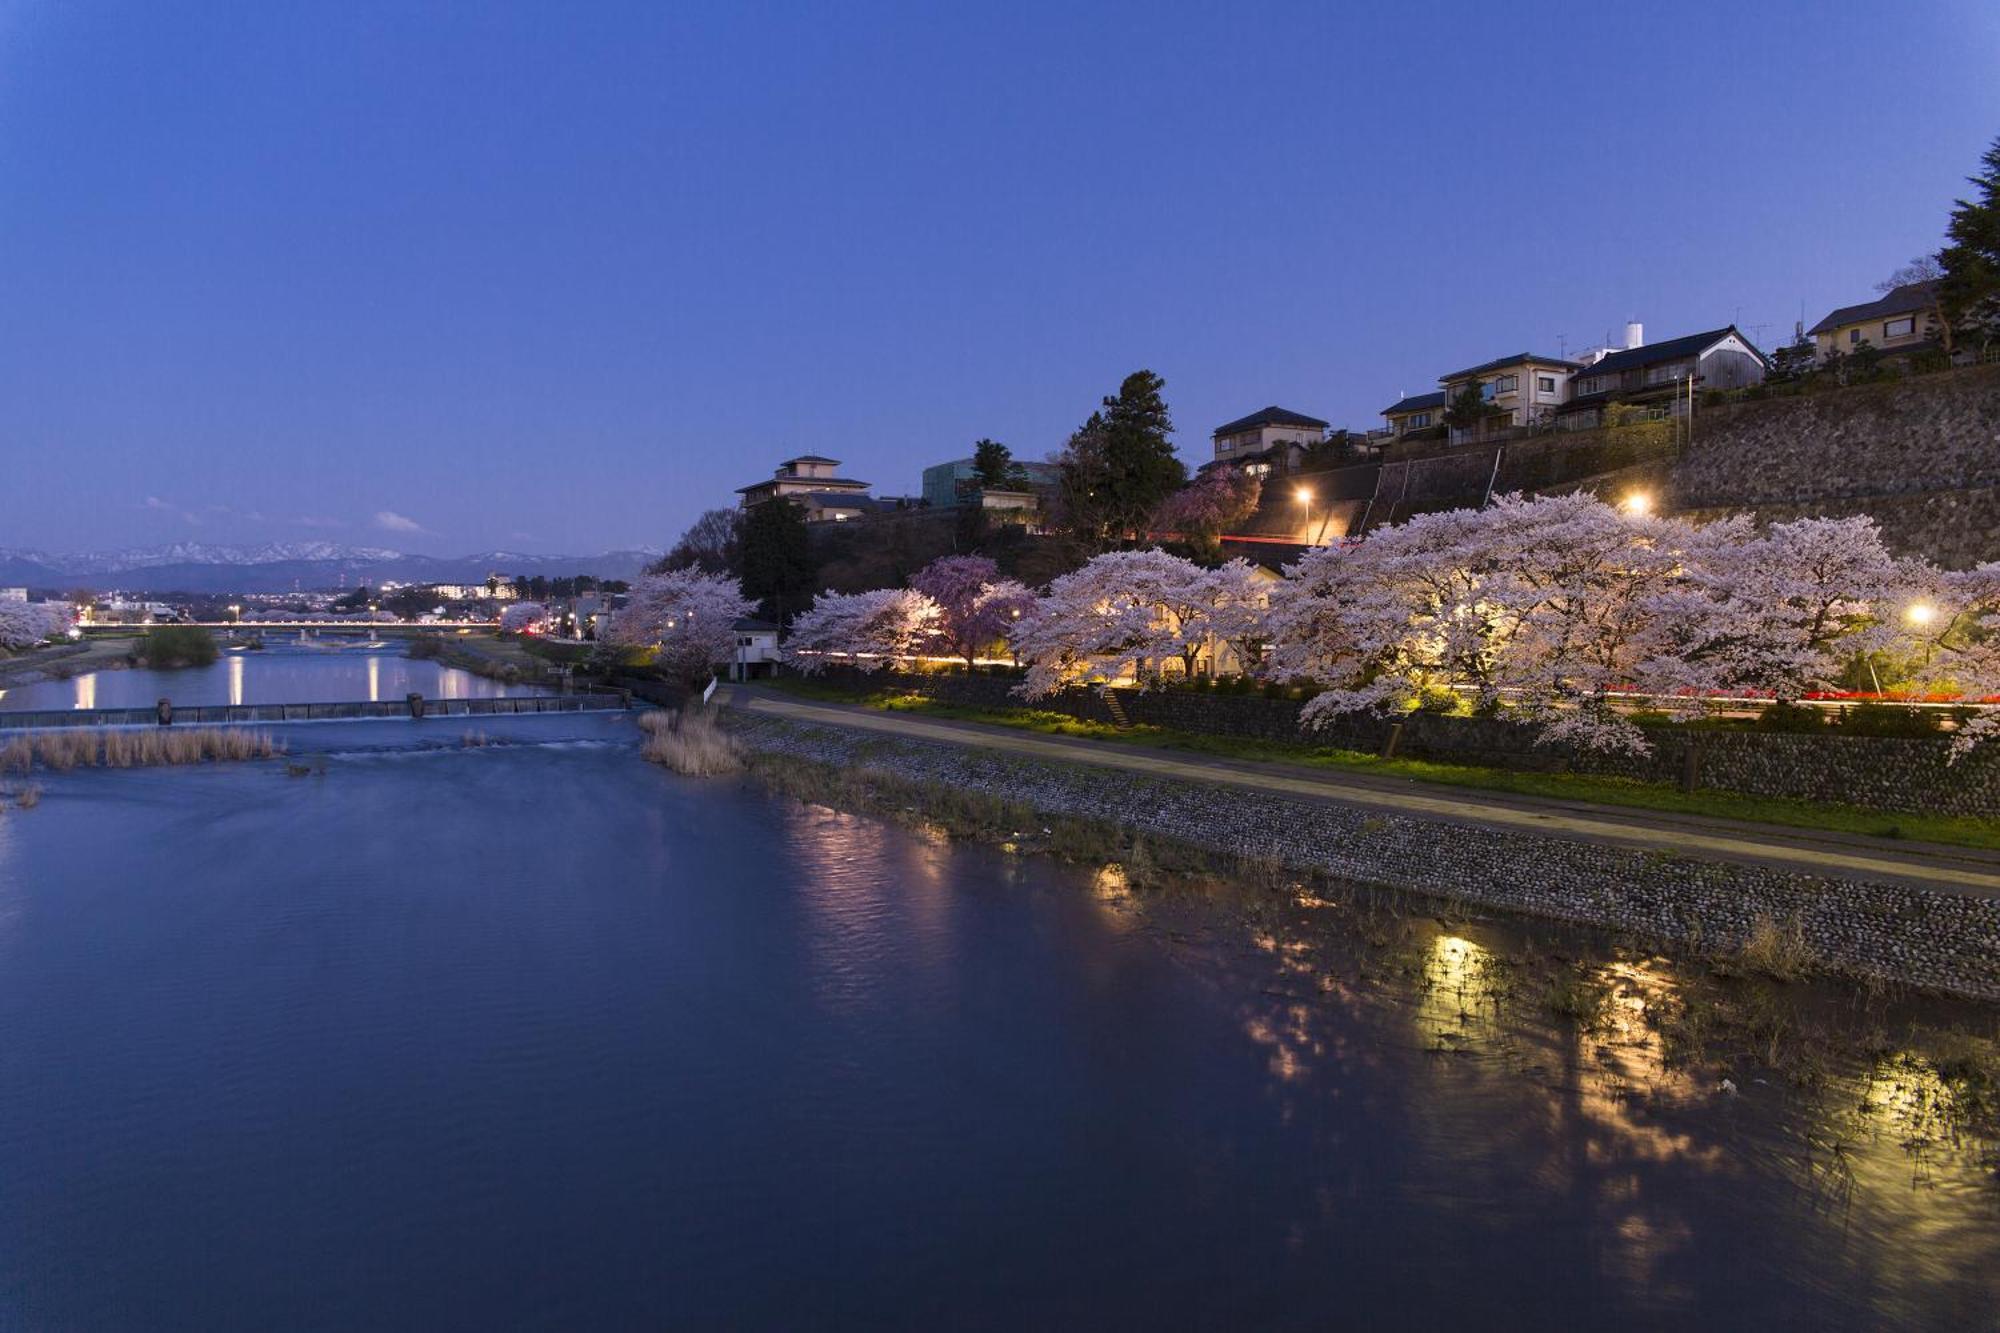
pixel 1957 830
pixel 82 747
pixel 689 742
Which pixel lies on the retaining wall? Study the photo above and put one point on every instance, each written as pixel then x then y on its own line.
pixel 1933 939
pixel 1879 773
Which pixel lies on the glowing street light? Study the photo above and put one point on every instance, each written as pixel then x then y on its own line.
pixel 1305 497
pixel 1638 504
pixel 1920 614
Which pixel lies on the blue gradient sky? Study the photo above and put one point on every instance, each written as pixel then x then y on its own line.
pixel 555 278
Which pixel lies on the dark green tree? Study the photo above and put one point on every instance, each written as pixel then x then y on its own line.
pixel 993 467
pixel 354 601
pixel 712 544
pixel 1120 464
pixel 778 567
pixel 1794 362
pixel 1970 290
pixel 1468 407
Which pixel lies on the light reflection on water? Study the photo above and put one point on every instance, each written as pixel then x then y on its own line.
pixel 541 1034
pixel 282 674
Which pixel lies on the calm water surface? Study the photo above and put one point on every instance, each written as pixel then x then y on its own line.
pixel 535 1035
pixel 282 674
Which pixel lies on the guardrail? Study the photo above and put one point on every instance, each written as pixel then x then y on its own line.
pixel 416 706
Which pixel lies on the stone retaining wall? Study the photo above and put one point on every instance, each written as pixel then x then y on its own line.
pixel 1879 773
pixel 1932 939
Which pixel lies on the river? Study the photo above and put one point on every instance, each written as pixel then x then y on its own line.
pixel 422 1028
pixel 328 671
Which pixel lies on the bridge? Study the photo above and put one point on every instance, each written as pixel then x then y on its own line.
pixel 415 707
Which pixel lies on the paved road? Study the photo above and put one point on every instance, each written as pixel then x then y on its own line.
pixel 1850 856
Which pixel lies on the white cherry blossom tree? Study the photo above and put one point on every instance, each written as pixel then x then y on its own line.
pixel 687 617
pixel 868 630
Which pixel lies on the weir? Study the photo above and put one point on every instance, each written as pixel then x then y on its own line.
pixel 414 707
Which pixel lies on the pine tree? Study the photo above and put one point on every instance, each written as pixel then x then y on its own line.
pixel 1971 256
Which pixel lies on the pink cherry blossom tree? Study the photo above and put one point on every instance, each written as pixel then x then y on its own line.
pixel 1946 632
pixel 524 618
pixel 975 606
pixel 871 631
pixel 1780 613
pixel 1208 506
pixel 1121 614
pixel 686 617
pixel 25 624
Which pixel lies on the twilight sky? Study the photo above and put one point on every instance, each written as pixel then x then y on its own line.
pixel 556 277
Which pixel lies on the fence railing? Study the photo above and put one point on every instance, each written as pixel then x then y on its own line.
pixel 352 710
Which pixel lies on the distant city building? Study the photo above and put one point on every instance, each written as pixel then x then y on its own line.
pixel 816 483
pixel 1274 439
pixel 1905 320
pixel 13 594
pixel 955 483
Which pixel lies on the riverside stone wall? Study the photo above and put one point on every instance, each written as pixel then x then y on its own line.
pixel 1937 940
pixel 1881 773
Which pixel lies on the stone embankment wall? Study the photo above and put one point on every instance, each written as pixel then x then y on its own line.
pixel 1921 456
pixel 1937 940
pixel 1876 772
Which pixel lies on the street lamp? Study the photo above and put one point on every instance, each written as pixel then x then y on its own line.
pixel 1305 497
pixel 1920 614
pixel 1638 504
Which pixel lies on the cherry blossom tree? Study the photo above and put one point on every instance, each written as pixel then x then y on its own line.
pixel 1120 614
pixel 1548 603
pixel 975 606
pixel 1212 503
pixel 25 624
pixel 870 631
pixel 524 618
pixel 687 617
pixel 1780 613
pixel 1947 633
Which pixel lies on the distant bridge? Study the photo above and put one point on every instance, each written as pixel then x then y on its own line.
pixel 415 706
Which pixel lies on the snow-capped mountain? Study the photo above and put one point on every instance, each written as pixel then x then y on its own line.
pixel 284 566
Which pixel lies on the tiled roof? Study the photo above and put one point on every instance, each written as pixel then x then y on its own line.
pixel 1634 358
pixel 1909 299
pixel 1272 416
pixel 1417 402
pixel 810 458
pixel 1514 360
pixel 818 483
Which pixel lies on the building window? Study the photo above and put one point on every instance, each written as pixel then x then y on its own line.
pixel 1546 383
pixel 1853 336
pixel 1506 384
pixel 1418 421
pixel 1486 392
pixel 1900 328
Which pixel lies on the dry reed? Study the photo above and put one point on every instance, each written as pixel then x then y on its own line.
pixel 691 743
pixel 61 751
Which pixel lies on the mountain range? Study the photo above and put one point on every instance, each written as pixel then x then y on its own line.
pixel 201 567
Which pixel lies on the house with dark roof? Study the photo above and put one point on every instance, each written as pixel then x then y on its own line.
pixel 1415 412
pixel 1662 374
pixel 1522 390
pixel 814 482
pixel 1904 320
pixel 1273 440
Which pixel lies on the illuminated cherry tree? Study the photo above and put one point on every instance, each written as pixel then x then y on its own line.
pixel 870 631
pixel 1946 634
pixel 524 618
pixel 1123 614
pixel 1778 614
pixel 687 617
pixel 25 624
pixel 976 608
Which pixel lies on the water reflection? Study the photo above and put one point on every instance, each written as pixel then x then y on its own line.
pixel 287 673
